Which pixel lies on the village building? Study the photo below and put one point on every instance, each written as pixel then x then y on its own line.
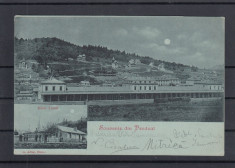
pixel 114 63
pixel 85 83
pixel 25 95
pixel 164 80
pixel 191 81
pixel 187 69
pixel 51 85
pixel 167 80
pixel 26 64
pixel 133 62
pixel 134 89
pixel 23 64
pixel 161 67
pixel 151 64
pixel 60 134
pixel 68 134
pixel 210 85
pixel 81 57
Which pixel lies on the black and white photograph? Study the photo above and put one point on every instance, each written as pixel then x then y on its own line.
pixel 77 77
pixel 123 68
pixel 50 126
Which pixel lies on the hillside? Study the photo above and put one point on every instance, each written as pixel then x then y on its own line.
pixel 48 50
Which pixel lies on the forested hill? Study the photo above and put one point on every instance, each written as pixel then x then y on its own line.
pixel 46 50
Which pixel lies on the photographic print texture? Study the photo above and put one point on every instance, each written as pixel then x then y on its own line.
pixel 103 84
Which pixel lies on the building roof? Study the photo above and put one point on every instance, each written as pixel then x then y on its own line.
pixel 84 81
pixel 97 88
pixel 127 90
pixel 167 77
pixel 144 78
pixel 193 79
pixel 209 82
pixel 24 95
pixel 52 81
pixel 70 130
pixel 25 92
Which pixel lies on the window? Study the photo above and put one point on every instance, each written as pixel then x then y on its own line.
pixel 144 87
pixel 135 88
pixel 60 88
pixel 154 87
pixel 140 87
pixel 46 88
pixel 149 87
pixel 53 88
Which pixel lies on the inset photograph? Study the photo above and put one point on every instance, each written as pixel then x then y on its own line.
pixel 50 126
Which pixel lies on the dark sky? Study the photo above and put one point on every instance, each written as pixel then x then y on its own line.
pixel 27 116
pixel 195 41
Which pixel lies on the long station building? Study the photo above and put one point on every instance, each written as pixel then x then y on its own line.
pixel 53 90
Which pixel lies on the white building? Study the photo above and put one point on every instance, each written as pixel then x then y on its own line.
pixel 151 64
pixel 81 57
pixel 164 80
pixel 51 85
pixel 191 81
pixel 23 64
pixel 133 62
pixel 114 63
pixel 85 83
pixel 142 87
pixel 161 67
pixel 210 85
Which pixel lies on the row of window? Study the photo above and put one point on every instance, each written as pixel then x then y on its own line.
pixel 214 87
pixel 145 88
pixel 164 81
pixel 53 88
pixel 52 98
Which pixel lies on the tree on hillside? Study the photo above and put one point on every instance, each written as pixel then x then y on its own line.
pixel 43 56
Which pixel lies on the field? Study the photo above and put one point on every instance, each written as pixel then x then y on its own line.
pixel 211 111
pixel 22 145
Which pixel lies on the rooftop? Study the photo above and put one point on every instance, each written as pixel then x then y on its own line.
pixel 70 130
pixel 127 89
pixel 209 82
pixel 52 81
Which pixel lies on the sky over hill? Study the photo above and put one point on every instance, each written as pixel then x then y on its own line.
pixel 187 40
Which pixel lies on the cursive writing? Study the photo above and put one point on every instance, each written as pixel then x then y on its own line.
pixel 154 144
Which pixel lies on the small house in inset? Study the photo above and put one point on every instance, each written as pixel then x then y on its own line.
pixel 67 134
pixel 58 134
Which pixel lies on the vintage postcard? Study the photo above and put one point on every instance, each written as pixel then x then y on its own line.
pixel 119 85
